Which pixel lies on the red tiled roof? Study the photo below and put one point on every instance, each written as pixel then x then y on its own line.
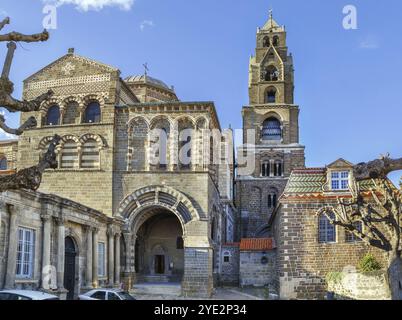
pixel 257 244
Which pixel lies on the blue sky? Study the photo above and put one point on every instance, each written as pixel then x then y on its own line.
pixel 347 81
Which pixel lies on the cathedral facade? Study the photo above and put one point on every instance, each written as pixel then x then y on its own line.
pixel 147 190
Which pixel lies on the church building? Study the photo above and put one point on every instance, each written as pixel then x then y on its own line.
pixel 147 189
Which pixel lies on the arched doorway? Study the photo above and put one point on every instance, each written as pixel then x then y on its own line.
pixel 159 253
pixel 69 267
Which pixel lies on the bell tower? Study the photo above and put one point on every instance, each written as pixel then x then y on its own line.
pixel 270 130
pixel 271 69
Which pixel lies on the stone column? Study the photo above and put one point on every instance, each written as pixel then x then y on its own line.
pixel 111 256
pixel 128 239
pixel 117 260
pixel 61 236
pixel 271 168
pixel 12 248
pixel 88 271
pixel 46 268
pixel 95 258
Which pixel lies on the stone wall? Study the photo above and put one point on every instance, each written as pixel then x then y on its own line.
pixel 257 268
pixel 359 286
pixel 197 280
pixel 8 149
pixel 252 201
pixel 303 262
pixel 229 275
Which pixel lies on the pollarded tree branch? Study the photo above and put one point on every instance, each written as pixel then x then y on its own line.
pixel 4 22
pixel 19 37
pixel 14 105
pixel 377 169
pixel 30 178
pixel 30 123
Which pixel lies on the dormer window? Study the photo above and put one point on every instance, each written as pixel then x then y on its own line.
pixel 340 180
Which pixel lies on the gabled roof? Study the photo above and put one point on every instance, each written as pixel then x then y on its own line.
pixel 306 181
pixel 340 163
pixel 71 54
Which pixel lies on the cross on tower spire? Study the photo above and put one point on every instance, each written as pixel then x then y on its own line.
pixel 271 16
pixel 146 69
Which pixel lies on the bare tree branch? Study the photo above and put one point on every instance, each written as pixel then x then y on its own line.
pixel 4 22
pixel 30 123
pixel 30 178
pixel 19 37
pixel 377 169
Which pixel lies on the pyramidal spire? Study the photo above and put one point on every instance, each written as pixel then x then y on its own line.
pixel 271 24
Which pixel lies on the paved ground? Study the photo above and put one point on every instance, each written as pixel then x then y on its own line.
pixel 220 294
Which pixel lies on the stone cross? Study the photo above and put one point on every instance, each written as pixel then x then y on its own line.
pixel 9 59
pixel 146 68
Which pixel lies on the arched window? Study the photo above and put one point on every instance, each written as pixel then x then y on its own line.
pixel 53 116
pixel 226 257
pixel 271 129
pixel 278 169
pixel 275 41
pixel 265 169
pixel 326 230
pixel 271 95
pixel 272 201
pixel 69 155
pixel 265 42
pixel 71 113
pixel 92 113
pixel 271 73
pixel 185 144
pixel 162 153
pixel 3 163
pixel 90 154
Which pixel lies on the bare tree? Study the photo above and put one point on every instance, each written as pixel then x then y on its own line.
pixel 379 211
pixel 29 178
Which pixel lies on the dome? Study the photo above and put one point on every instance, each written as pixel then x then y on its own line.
pixel 147 80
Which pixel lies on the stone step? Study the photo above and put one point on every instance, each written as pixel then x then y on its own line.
pixel 156 289
pixel 158 278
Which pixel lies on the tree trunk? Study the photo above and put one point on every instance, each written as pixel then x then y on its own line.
pixel 395 276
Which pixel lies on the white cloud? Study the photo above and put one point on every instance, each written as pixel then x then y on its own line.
pixel 369 43
pixel 86 5
pixel 146 23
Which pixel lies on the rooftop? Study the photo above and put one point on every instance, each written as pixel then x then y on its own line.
pixel 146 79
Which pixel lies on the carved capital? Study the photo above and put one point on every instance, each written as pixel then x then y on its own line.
pixel 45 217
pixel 61 221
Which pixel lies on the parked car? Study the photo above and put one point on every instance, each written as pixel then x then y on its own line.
pixel 26 295
pixel 106 294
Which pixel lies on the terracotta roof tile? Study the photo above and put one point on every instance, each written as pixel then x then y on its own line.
pixel 257 244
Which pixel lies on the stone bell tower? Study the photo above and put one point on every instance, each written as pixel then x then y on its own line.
pixel 270 131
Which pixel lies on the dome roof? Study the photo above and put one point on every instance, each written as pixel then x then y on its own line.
pixel 149 80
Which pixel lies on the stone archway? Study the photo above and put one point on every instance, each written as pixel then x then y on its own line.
pixel 185 232
pixel 158 258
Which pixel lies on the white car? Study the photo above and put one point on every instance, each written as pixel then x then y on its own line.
pixel 26 295
pixel 106 294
